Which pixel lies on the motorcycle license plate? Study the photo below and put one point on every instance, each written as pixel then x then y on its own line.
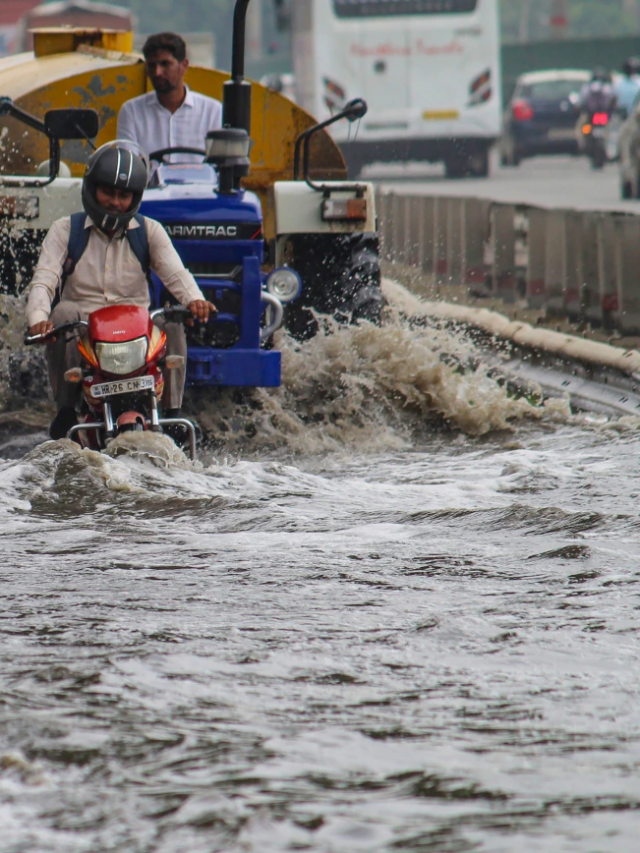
pixel 123 386
pixel 599 133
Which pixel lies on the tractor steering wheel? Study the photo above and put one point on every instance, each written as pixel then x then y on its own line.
pixel 163 152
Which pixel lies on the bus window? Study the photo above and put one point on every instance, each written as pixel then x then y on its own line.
pixel 381 8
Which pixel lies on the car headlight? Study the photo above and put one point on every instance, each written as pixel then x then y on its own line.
pixel 123 358
pixel 285 284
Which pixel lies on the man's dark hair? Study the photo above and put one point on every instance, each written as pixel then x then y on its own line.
pixel 165 41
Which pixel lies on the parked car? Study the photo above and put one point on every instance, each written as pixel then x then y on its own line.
pixel 629 154
pixel 542 114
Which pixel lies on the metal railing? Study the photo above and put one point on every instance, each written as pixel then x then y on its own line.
pixel 582 265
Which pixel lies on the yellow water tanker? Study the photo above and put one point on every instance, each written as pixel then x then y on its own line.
pixel 72 67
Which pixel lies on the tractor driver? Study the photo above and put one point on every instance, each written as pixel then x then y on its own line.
pixel 79 272
pixel 172 116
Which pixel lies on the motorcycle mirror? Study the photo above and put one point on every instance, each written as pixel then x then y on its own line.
pixel 71 124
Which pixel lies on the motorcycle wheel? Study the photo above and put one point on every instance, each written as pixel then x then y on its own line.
pixel 598 158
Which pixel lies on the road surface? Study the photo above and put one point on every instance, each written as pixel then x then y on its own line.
pixel 556 182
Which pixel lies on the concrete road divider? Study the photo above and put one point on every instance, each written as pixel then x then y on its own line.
pixel 582 265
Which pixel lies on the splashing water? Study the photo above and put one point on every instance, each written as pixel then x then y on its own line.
pixel 349 386
pixel 384 388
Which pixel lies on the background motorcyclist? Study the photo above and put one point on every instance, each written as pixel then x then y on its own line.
pixel 598 95
pixel 628 86
pixel 108 272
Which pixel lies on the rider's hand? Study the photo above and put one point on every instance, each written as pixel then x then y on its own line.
pixel 42 328
pixel 201 309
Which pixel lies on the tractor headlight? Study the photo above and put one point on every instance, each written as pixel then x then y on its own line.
pixel 285 284
pixel 123 358
pixel 228 143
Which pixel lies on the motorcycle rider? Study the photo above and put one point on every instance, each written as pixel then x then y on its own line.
pixel 597 99
pixel 108 272
pixel 598 95
pixel 628 86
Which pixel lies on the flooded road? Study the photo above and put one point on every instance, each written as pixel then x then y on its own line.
pixel 399 613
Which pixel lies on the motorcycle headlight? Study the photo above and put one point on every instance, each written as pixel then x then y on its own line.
pixel 285 284
pixel 123 358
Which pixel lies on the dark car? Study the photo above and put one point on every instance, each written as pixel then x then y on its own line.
pixel 542 115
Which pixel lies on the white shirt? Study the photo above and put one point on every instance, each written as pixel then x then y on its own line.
pixel 108 273
pixel 144 120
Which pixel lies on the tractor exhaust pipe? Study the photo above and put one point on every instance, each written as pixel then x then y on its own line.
pixel 236 100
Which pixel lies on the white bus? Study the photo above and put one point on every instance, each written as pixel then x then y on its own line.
pixel 428 69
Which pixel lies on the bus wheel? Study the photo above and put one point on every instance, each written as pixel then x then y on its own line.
pixel 456 167
pixel 479 164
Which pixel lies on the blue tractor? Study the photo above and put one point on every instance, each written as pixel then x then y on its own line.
pixel 216 228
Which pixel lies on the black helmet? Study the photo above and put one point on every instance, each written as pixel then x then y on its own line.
pixel 631 66
pixel 600 74
pixel 118 168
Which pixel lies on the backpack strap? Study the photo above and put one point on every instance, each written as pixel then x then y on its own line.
pixel 78 240
pixel 139 242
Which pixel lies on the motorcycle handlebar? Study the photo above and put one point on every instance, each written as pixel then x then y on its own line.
pixel 31 340
pixel 173 313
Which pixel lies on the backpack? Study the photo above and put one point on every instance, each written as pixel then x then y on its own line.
pixel 79 238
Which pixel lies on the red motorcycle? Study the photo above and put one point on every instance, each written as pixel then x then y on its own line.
pixel 122 379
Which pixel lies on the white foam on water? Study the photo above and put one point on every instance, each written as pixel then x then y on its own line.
pixel 377 388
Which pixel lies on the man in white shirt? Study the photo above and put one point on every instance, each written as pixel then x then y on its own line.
pixel 107 272
pixel 172 116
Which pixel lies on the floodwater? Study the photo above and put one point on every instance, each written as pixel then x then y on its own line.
pixel 391 608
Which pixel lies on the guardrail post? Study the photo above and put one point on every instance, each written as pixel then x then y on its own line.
pixel 426 233
pixel 440 240
pixel 503 240
pixel 588 276
pixel 536 286
pixel 627 270
pixel 404 247
pixel 555 261
pixel 397 210
pixel 573 251
pixel 383 211
pixel 607 311
pixel 475 229
pixel 455 243
pixel 412 215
